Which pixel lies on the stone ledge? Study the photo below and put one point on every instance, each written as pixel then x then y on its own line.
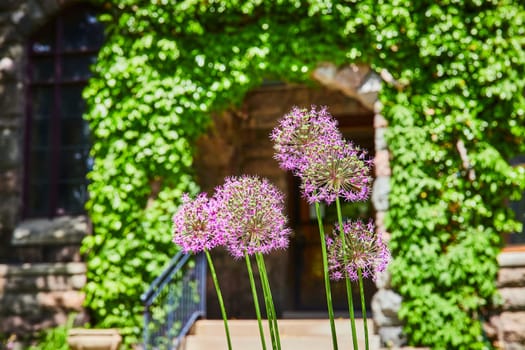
pixel 511 259
pixel 72 268
pixel 61 230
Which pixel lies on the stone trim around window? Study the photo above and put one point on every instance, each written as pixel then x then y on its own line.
pixel 57 231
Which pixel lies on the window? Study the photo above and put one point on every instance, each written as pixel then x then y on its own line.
pixel 57 138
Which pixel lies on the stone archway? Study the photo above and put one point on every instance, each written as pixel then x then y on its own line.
pixel 360 82
pixel 238 143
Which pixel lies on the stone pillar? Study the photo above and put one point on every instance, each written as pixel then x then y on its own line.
pixel 385 303
pixel 11 117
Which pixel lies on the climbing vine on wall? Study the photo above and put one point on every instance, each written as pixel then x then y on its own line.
pixel 168 65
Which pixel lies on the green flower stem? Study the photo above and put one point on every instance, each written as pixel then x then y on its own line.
pixel 326 276
pixel 219 296
pixel 363 306
pixel 349 295
pixel 350 299
pixel 255 300
pixel 272 316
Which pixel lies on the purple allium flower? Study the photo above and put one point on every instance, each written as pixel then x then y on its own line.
pixel 298 131
pixel 358 248
pixel 195 225
pixel 336 170
pixel 251 210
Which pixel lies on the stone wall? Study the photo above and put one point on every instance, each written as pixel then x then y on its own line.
pixel 40 269
pixel 37 296
pixel 507 325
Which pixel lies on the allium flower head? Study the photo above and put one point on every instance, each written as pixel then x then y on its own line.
pixel 251 210
pixel 336 170
pixel 298 131
pixel 358 248
pixel 195 225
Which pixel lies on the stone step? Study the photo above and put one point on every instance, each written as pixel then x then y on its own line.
pixel 294 334
pixel 193 342
pixel 291 327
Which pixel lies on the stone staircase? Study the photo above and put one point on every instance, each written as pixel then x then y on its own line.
pixel 302 334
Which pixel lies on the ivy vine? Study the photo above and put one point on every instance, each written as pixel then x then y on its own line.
pixel 168 65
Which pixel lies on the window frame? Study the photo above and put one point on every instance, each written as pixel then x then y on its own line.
pixel 58 83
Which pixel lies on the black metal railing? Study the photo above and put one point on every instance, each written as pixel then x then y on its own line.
pixel 174 301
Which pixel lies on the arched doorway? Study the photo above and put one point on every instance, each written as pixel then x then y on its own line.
pixel 239 144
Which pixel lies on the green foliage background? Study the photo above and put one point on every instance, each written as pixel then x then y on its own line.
pixel 167 65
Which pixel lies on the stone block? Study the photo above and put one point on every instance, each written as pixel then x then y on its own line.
pixel 74 268
pixel 508 327
pixel 380 226
pixel 384 280
pixel 55 283
pixel 59 253
pixel 392 337
pixel 511 277
pixel 10 146
pixel 513 327
pixel 7 65
pixel 382 163
pixel 513 298
pixel 9 182
pixel 32 304
pixel 16 324
pixel 380 191
pixel 513 346
pixel 379 139
pixel 380 121
pixel 385 306
pixel 512 259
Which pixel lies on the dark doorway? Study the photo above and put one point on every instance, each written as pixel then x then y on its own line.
pixel 306 264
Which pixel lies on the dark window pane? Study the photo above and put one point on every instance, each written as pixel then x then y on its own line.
pixel 74 132
pixel 39 165
pixel 44 41
pixel 73 163
pixel 43 69
pixel 42 102
pixel 82 31
pixel 77 67
pixel 71 198
pixel 38 199
pixel 39 133
pixel 71 104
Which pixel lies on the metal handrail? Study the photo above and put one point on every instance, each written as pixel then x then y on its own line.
pixel 174 301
